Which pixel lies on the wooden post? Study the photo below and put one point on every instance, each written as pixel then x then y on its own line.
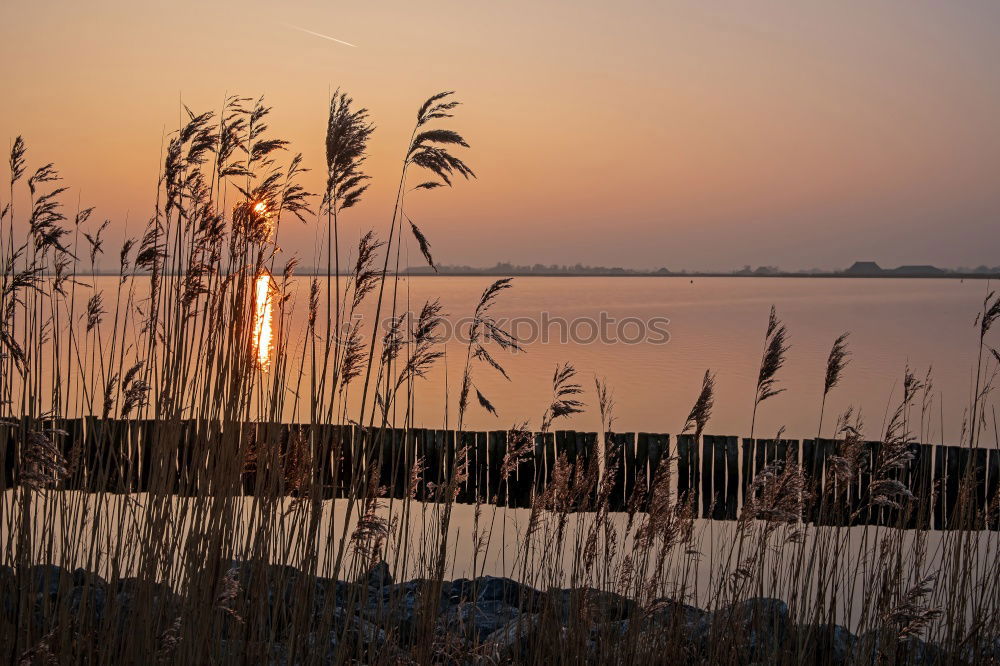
pixel 746 470
pixel 993 489
pixel 323 444
pixel 809 460
pixel 8 456
pixel 978 462
pixel 433 459
pixel 446 448
pixel 940 483
pixel 642 469
pixel 72 444
pixel 760 456
pixel 685 471
pixel 521 481
pixel 919 483
pixel 467 490
pixel 551 453
pixel 659 450
pixel 732 478
pixel 954 471
pixel 838 488
pixel 614 465
pixel 482 469
pixel 344 455
pixel 543 469
pixel 707 459
pixel 628 465
pixel 586 447
pixel 497 449
pixel 719 487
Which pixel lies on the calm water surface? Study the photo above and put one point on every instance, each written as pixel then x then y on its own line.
pixel 700 324
pixel 717 324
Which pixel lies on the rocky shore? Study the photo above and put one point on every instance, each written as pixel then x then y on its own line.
pixel 274 614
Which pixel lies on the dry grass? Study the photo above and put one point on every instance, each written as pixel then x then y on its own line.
pixel 148 355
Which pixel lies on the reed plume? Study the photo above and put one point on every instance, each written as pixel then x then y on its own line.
pixel 430 150
pixel 563 403
pixel 835 363
pixel 485 329
pixel 775 348
pixel 702 410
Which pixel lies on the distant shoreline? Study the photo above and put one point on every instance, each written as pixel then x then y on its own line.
pixel 499 274
pixel 947 276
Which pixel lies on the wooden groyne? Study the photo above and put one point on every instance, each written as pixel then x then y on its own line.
pixel 951 486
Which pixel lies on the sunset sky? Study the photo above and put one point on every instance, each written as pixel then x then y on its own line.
pixel 686 134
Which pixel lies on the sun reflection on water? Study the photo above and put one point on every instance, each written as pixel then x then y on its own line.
pixel 263 316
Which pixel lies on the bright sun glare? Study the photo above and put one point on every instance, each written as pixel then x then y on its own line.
pixel 263 301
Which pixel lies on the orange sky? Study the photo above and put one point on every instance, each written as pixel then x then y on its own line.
pixel 685 134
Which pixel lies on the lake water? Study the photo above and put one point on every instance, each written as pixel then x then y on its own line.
pixel 717 324
pixel 652 339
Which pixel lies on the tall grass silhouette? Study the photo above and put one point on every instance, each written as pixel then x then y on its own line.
pixel 250 559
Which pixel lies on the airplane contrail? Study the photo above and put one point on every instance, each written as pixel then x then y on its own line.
pixel 320 35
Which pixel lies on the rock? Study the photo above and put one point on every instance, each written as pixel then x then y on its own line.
pixel 590 605
pixel 48 584
pixel 666 623
pixel 8 593
pixel 130 591
pixel 493 588
pixel 883 646
pixel 329 595
pixel 376 577
pixel 49 579
pixel 516 640
pixel 915 651
pixel 750 630
pixel 834 642
pixel 281 595
pixel 138 607
pixel 478 619
pixel 398 608
pixel 984 651
pixel 88 603
pixel 672 614
pixel 348 635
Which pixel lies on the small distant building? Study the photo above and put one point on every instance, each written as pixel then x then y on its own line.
pixel 864 268
pixel 917 270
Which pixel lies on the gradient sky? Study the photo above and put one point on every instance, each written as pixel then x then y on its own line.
pixel 686 134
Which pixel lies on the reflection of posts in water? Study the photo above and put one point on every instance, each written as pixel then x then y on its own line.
pixel 942 487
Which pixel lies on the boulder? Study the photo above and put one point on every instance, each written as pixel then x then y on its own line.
pixel 397 608
pixel 514 641
pixel 588 605
pixel 666 623
pixel 48 580
pixel 476 620
pixel 88 602
pixel 283 595
pixel 377 576
pixel 494 588
pixel 8 592
pixel 983 651
pixel 884 646
pixel 750 630
pixel 352 633
pixel 833 642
